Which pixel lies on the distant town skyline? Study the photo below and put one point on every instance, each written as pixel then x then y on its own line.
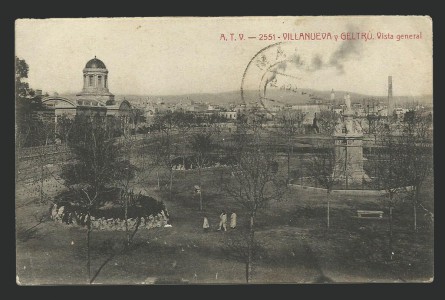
pixel 174 56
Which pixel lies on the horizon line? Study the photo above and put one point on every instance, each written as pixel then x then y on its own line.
pixel 235 91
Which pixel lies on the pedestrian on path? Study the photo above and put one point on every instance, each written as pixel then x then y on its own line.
pixel 223 221
pixel 205 224
pixel 233 220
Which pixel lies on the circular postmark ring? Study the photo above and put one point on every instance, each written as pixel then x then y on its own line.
pixel 262 71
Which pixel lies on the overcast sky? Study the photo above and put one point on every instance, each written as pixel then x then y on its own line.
pixel 161 56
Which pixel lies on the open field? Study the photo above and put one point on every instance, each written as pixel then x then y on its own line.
pixel 297 246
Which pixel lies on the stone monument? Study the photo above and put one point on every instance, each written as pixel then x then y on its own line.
pixel 348 137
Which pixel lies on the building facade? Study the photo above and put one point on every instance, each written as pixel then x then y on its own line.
pixel 95 98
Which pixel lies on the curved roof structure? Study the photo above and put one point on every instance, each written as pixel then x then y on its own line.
pixel 95 63
pixel 54 101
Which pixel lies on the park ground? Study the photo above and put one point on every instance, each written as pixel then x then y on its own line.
pixel 297 247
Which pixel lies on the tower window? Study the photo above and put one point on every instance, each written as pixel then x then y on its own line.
pixel 106 81
pixel 99 80
pixel 91 80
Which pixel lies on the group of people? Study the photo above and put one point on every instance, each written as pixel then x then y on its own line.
pixel 222 222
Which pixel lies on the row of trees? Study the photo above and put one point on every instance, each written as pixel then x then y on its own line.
pixel 401 157
pixel 405 159
pixel 102 160
pixel 254 179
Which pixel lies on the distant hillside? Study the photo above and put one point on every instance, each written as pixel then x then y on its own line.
pixel 300 96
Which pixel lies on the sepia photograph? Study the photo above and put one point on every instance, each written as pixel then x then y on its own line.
pixel 224 150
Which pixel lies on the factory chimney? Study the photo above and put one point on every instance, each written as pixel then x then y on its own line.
pixel 390 99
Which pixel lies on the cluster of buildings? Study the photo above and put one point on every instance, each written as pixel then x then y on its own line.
pixel 152 106
pixel 95 98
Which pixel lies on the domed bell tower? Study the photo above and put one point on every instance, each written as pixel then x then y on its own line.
pixel 95 83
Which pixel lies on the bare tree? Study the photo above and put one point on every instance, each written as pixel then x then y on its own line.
pixel 165 147
pixel 322 168
pixel 202 145
pixel 376 126
pixel 290 123
pixel 124 180
pixel 415 151
pixel 94 169
pixel 183 122
pixel 42 136
pixel 64 128
pixel 213 123
pixel 327 120
pixel 391 175
pixel 253 184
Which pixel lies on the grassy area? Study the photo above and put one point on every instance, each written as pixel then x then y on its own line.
pixel 297 246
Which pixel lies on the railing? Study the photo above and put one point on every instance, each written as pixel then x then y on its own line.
pixel 29 152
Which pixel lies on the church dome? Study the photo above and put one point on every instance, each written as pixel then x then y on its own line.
pixel 95 64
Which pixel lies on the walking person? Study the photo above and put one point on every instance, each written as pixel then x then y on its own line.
pixel 233 220
pixel 205 224
pixel 223 221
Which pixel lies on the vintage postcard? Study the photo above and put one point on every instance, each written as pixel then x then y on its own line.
pixel 224 150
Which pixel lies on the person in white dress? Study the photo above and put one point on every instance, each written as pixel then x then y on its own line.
pixel 223 221
pixel 233 220
pixel 205 224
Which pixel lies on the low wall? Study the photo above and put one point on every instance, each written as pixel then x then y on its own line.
pixel 59 215
pixel 340 192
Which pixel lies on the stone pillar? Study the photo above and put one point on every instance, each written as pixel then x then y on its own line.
pixel 349 153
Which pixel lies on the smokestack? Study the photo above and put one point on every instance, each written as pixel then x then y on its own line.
pixel 390 100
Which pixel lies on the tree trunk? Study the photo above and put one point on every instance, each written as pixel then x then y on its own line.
pixel 288 160
pixel 41 181
pixel 416 198
pixel 346 166
pixel 377 174
pixel 248 268
pixel 88 245
pixel 329 202
pixel 250 245
pixel 157 174
pixel 390 230
pixel 415 216
pixel 126 220
pixel 136 227
pixel 183 163
pixel 249 264
pixel 288 163
pixel 171 183
pixel 390 221
pixel 183 155
pixel 200 188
